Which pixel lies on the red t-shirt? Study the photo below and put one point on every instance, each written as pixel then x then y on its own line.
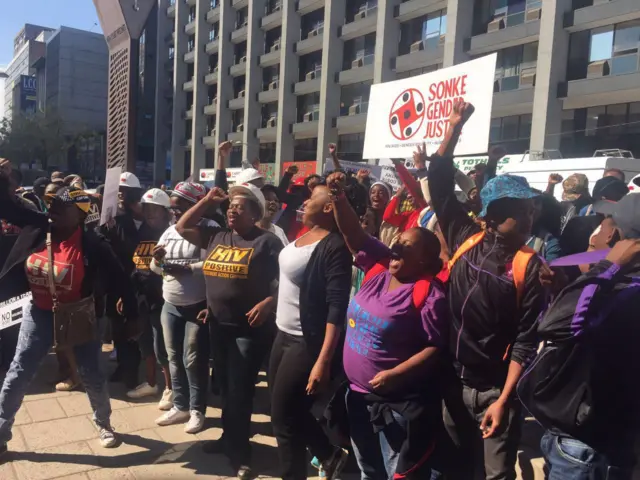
pixel 68 272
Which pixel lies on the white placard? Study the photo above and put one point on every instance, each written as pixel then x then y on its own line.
pixel 110 197
pixel 12 310
pixel 404 113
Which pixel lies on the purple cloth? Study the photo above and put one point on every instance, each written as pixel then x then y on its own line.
pixel 583 258
pixel 384 328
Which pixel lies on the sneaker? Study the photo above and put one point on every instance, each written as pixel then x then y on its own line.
pixel 195 423
pixel 245 473
pixel 172 417
pixel 108 437
pixel 335 464
pixel 67 385
pixel 166 402
pixel 143 390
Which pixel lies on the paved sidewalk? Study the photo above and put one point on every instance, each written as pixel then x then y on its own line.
pixel 54 437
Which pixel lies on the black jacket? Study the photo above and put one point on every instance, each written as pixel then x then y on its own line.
pixel 585 381
pixel 324 292
pixel 488 327
pixel 101 265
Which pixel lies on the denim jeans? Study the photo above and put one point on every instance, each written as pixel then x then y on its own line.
pixel 152 341
pixel 237 358
pixel 34 343
pixel 568 458
pixel 187 342
pixel 376 453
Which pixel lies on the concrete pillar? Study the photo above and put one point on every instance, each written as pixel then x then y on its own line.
pixel 332 52
pixel 225 82
pixel 178 134
pixel 290 34
pixel 459 28
pixel 387 39
pixel 553 52
pixel 253 81
pixel 162 133
pixel 200 89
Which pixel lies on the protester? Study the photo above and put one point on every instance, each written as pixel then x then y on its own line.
pixel 495 297
pixel 13 282
pixel 547 219
pixel 616 173
pixel 583 386
pixel 122 233
pixel 315 273
pixel 397 324
pixel 379 195
pixel 273 208
pixel 609 188
pixel 155 210
pixel 241 273
pixel 36 195
pixel 187 339
pixel 55 176
pixel 575 196
pixel 87 256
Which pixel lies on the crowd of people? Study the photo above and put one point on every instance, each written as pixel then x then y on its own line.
pixel 425 322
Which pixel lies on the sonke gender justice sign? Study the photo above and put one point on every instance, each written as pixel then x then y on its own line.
pixel 405 113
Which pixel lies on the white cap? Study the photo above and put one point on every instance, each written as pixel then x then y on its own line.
pixel 155 196
pixel 250 191
pixel 128 179
pixel 248 175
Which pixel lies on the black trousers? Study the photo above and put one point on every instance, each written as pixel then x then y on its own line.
pixel 294 427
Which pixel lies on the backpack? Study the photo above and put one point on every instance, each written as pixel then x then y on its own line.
pixel 420 288
pixel 519 266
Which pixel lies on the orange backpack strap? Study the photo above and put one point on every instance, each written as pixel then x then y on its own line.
pixel 520 263
pixel 465 247
pixel 420 293
pixel 373 272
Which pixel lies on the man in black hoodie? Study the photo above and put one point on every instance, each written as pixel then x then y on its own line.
pixel 583 387
pixel 492 332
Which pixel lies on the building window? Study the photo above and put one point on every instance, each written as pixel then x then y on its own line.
pixel 511 64
pixel 423 33
pixel 359 51
pixel 350 146
pixel 510 129
pixel 356 95
pixel 305 149
pixel 212 34
pixel 618 45
pixel 418 71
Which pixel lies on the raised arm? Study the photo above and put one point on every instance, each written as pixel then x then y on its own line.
pixel 188 226
pixel 224 149
pixel 334 156
pixel 420 159
pixel 283 187
pixel 346 218
pixel 455 223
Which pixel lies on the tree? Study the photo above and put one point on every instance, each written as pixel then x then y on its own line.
pixel 39 138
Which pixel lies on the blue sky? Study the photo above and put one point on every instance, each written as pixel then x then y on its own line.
pixel 48 13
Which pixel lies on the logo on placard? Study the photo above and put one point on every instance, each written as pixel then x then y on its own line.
pixel 407 114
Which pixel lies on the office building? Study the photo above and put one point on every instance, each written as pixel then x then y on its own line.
pixel 28 45
pixel 283 78
pixel 71 80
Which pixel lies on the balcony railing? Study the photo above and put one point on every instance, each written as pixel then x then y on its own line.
pixel 273 7
pixel 356 108
pixel 365 10
pixel 315 31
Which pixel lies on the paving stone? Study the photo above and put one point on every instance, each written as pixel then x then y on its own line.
pixel 76 405
pixel 58 432
pixel 44 410
pixel 7 472
pixel 77 476
pixel 135 418
pixel 176 436
pixel 46 395
pixel 22 417
pixel 17 443
pixel 135 448
pixel 59 461
pixel 111 474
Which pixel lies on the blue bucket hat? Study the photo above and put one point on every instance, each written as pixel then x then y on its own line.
pixel 505 186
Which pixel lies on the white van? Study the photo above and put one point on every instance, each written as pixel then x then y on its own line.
pixel 537 171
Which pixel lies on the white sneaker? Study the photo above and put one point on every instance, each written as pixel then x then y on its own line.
pixel 143 390
pixel 195 423
pixel 107 437
pixel 166 402
pixel 172 417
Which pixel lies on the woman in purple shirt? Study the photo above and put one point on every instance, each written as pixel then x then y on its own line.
pixel 396 326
